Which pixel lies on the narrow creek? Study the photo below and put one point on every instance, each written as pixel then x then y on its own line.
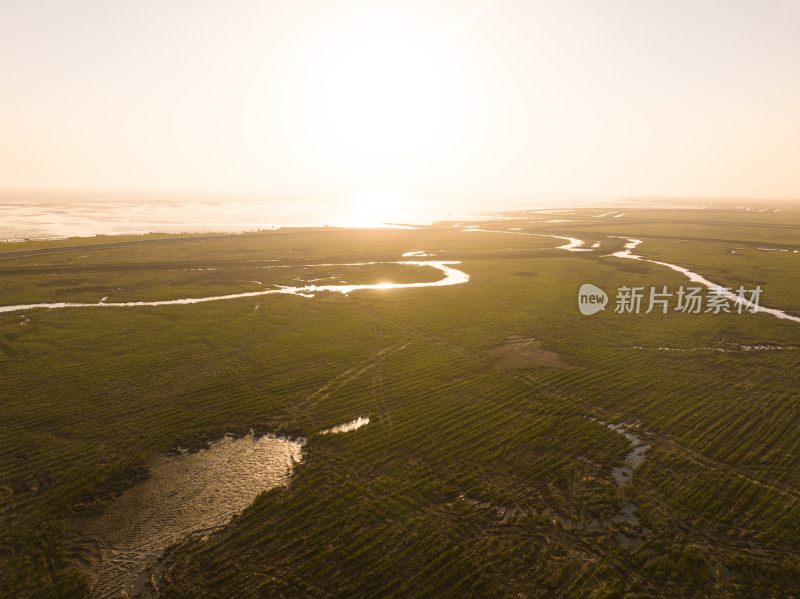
pixel 346 427
pixel 625 524
pixel 573 243
pixel 632 244
pixel 576 245
pixel 630 532
pixel 452 276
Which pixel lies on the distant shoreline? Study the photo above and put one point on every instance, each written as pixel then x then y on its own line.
pixel 51 220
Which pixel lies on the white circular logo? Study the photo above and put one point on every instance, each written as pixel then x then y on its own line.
pixel 591 299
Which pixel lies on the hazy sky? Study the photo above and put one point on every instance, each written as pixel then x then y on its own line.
pixel 431 98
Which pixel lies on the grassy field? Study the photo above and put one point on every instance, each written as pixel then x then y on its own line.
pixel 483 471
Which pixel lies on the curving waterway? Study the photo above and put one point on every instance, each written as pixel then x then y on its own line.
pixel 573 243
pixel 577 245
pixel 452 276
pixel 632 244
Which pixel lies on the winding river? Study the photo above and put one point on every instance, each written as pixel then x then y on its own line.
pixel 632 244
pixel 577 245
pixel 452 276
pixel 573 243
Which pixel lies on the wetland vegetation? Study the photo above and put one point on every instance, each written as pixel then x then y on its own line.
pixel 491 440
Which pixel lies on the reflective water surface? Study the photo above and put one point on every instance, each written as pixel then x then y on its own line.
pixel 184 495
pixel 573 243
pixel 452 277
pixel 346 427
pixel 696 278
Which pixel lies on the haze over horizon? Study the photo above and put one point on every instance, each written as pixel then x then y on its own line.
pixel 391 99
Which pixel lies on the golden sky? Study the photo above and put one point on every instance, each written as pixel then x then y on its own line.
pixel 439 99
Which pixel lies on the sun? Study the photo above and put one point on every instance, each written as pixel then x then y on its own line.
pixel 373 209
pixel 380 103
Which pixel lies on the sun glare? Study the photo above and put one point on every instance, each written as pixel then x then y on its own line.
pixel 379 105
pixel 374 209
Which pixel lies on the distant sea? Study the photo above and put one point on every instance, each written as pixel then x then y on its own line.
pixel 46 217
pixel 49 216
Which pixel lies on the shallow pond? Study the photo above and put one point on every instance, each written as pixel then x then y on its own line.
pixel 185 495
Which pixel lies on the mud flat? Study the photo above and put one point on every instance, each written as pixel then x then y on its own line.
pixel 185 495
